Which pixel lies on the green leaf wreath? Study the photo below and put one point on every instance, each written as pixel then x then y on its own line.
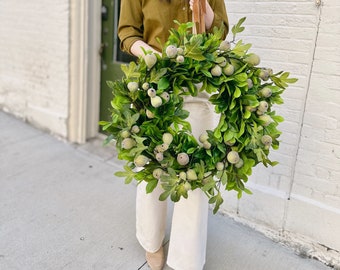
pixel 149 123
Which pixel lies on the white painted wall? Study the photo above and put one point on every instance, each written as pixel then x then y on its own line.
pixel 298 201
pixel 34 65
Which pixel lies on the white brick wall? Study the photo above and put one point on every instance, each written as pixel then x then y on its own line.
pixel 34 69
pixel 301 195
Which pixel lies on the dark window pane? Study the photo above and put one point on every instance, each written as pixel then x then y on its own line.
pixel 120 55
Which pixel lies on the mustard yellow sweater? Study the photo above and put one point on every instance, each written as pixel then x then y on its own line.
pixel 150 19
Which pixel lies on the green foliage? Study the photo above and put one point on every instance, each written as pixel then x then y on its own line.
pixel 243 94
pixel 238 28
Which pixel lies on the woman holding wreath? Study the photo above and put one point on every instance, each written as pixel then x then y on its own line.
pixel 142 23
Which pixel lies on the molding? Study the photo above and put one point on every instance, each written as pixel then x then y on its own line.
pixel 94 67
pixel 78 72
pixel 84 61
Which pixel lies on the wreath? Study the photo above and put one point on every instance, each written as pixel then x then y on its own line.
pixel 149 124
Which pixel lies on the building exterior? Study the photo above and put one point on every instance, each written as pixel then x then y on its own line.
pixel 50 65
pixel 50 69
pixel 299 199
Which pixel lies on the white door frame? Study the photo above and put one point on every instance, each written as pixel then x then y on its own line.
pixel 84 63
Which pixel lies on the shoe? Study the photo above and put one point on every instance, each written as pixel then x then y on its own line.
pixel 155 260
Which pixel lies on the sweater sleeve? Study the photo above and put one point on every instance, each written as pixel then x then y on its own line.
pixel 220 16
pixel 130 26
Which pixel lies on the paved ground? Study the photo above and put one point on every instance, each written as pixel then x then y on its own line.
pixel 62 208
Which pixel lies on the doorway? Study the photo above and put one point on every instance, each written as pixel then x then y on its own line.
pixel 111 55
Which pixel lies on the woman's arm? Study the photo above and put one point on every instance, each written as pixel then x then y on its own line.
pixel 130 26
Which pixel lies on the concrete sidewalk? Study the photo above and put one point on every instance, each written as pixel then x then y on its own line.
pixel 62 208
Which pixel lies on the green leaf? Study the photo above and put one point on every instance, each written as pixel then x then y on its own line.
pixel 163 83
pixel 209 185
pixel 247 191
pixel 283 80
pixel 128 174
pixel 181 191
pixel 110 84
pixel 196 40
pixel 229 135
pixel 238 28
pixel 224 178
pixel 106 126
pixel 292 80
pixel 139 148
pixel 277 118
pixel 164 195
pixel 246 114
pixel 103 123
pixel 241 49
pixel 241 131
pixel 130 70
pixel 174 196
pixel 206 73
pixel 193 50
pixel 156 75
pixel 120 174
pixel 237 92
pixel 134 119
pixel 218 202
pixel 212 199
pixel 250 100
pixel 119 102
pixel 191 150
pixel 241 77
pixel 151 185
pixel 277 100
pixel 232 104
pixel 183 27
pixel 273 163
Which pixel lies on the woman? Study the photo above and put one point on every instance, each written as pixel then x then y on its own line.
pixel 142 23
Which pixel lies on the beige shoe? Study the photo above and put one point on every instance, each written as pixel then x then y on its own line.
pixel 155 260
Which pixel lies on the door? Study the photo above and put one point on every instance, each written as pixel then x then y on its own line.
pixel 111 55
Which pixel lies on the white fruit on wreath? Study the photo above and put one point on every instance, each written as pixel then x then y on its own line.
pixel 149 123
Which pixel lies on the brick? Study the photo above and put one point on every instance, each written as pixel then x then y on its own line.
pixel 306 215
pixel 34 67
pixel 320 125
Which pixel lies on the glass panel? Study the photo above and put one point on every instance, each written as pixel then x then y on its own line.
pixel 119 55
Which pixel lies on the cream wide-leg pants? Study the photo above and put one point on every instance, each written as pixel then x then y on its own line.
pixel 188 237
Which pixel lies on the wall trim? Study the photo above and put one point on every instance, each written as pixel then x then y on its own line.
pixel 84 61
pixel 94 68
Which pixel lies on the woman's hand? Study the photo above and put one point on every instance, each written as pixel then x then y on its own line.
pixel 209 15
pixel 136 48
pixel 191 3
